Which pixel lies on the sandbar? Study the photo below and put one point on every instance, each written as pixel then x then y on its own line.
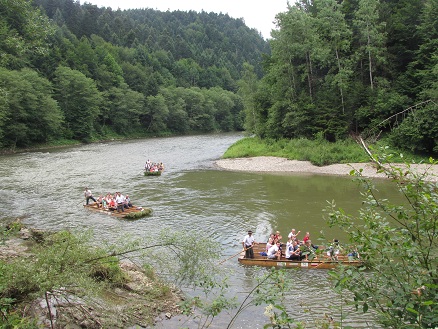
pixel 264 164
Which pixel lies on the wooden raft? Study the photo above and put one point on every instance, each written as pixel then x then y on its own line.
pixel 322 262
pixel 131 213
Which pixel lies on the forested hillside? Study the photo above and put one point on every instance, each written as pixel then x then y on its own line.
pixel 333 69
pixel 71 71
pixel 344 67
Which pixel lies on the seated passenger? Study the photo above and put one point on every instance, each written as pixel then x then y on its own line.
pixel 308 251
pixel 277 238
pixel 288 249
pixel 106 200
pixel 292 235
pixel 274 252
pixel 295 252
pixel 128 203
pixel 112 203
pixel 99 202
pixel 269 244
pixel 306 237
pixel 334 250
pixel 352 255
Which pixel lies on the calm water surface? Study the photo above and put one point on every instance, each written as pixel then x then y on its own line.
pixel 192 194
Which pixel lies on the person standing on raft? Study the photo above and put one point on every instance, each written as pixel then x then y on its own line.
pixel 248 244
pixel 88 195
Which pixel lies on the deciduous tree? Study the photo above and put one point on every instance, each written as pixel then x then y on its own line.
pixel 28 113
pixel 79 100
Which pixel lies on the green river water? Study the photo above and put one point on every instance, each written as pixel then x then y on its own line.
pixel 192 195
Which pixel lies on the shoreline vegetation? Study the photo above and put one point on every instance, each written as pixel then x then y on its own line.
pixel 70 142
pixel 99 290
pixel 317 157
pixel 104 139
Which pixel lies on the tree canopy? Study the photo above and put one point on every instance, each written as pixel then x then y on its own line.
pixel 342 67
pixel 71 71
pixel 332 69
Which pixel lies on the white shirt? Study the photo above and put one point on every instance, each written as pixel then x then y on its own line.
pixel 289 249
pixel 248 240
pixel 272 251
pixel 120 198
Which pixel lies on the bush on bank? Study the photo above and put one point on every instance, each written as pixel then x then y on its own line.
pixel 399 244
pixel 59 278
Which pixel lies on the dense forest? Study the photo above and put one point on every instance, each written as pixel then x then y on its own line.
pixel 79 72
pixel 334 68
pixel 350 67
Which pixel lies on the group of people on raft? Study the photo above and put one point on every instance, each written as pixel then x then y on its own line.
pixel 152 166
pixel 113 202
pixel 294 249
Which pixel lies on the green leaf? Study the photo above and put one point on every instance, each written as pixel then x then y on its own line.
pixel 410 309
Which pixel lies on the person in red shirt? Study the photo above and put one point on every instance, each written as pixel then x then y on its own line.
pixel 306 237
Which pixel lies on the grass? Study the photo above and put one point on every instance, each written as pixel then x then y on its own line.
pixel 136 215
pixel 318 152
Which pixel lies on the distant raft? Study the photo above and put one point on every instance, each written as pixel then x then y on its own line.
pixel 132 213
pixel 153 169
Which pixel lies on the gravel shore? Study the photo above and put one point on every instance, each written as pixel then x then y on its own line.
pixel 282 165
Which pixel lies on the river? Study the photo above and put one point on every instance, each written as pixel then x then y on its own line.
pixel 46 188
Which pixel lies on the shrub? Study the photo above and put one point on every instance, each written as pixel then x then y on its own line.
pixel 399 243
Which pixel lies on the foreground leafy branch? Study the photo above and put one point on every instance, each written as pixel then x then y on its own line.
pixel 399 243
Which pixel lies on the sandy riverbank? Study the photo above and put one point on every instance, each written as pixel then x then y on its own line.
pixel 275 164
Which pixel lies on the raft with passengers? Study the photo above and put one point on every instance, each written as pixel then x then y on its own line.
pixel 295 253
pixel 117 205
pixel 153 169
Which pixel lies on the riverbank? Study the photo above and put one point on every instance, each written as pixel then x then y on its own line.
pixel 139 299
pixel 71 142
pixel 282 165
